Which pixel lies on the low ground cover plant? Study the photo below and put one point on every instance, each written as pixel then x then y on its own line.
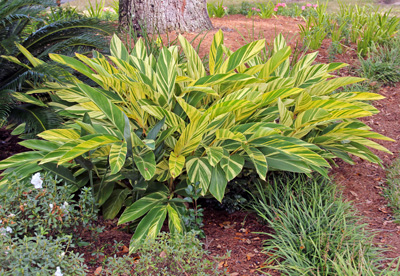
pixel 382 63
pixel 315 231
pixel 169 255
pixel 152 127
pixel 45 206
pixel 392 190
pixel 38 218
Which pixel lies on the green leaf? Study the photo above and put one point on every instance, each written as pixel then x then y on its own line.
pixel 143 205
pixel 40 145
pixel 146 163
pixel 28 99
pixel 191 136
pixel 61 171
pixel 59 135
pixel 232 165
pixel 214 155
pixel 117 156
pixel 118 49
pixel 258 159
pixel 242 55
pixel 149 226
pixel 176 164
pixel 174 220
pixel 199 171
pixel 114 203
pixel 21 159
pixel 111 111
pixel 86 146
pixel 218 183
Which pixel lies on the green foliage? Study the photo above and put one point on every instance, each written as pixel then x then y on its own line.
pixel 367 25
pixel 154 126
pixel 39 255
pixel 382 63
pixel 216 10
pixel 26 38
pixel 172 255
pixel 266 10
pixel 315 232
pixel 50 210
pixel 392 190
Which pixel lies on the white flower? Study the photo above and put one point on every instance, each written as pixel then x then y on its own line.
pixel 51 206
pixel 37 181
pixel 62 254
pixel 4 231
pixel 65 206
pixel 11 215
pixel 58 272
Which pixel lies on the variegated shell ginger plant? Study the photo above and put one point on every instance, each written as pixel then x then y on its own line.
pixel 152 126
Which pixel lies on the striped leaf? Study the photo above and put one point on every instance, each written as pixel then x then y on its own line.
pixel 276 59
pixel 199 171
pixel 143 205
pixel 146 164
pixel 114 203
pixel 195 67
pixel 232 165
pixel 258 159
pixel 111 111
pixel 149 226
pixel 166 76
pixel 117 156
pixel 218 183
pixel 216 53
pixel 59 135
pixel 214 155
pixel 174 219
pixel 86 146
pixel 21 159
pixel 118 49
pixel 242 55
pixel 191 136
pixel 171 119
pixel 285 116
pixel 176 164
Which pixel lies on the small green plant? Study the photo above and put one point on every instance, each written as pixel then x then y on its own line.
pixel 62 13
pixel 383 63
pixel 265 10
pixel 44 205
pixel 169 255
pixel 392 191
pixel 315 232
pixel 193 218
pixel 216 10
pixel 39 255
pixel 96 10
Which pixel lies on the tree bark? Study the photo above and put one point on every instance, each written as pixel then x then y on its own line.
pixel 165 15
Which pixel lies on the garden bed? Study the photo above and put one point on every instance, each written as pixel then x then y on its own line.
pixel 362 183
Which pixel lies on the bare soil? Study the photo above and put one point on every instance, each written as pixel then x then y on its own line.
pixel 362 183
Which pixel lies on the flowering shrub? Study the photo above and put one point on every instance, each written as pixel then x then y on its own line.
pixel 44 206
pixel 39 256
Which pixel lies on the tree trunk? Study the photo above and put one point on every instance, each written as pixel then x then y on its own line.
pixel 165 15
